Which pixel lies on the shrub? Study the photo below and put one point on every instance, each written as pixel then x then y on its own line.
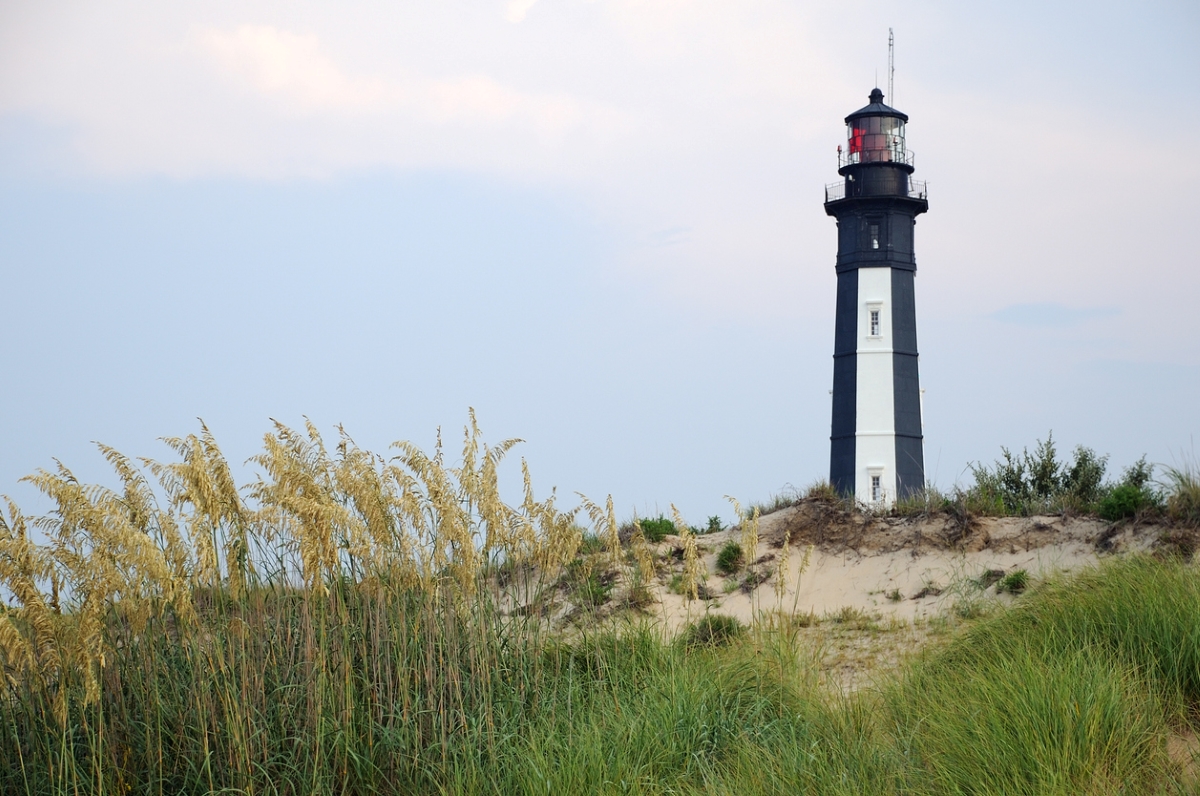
pixel 1138 474
pixel 714 630
pixel 730 559
pixel 714 525
pixel 1132 495
pixel 1082 480
pixel 1123 501
pixel 655 529
pixel 1028 483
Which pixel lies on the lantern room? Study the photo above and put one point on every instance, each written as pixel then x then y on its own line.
pixel 875 134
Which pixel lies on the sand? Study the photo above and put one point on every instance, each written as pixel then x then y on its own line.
pixel 888 568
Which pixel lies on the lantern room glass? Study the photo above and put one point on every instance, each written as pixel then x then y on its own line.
pixel 876 139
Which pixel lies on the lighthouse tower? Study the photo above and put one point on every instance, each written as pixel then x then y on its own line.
pixel 875 445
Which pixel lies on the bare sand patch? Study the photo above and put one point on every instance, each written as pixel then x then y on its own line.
pixel 891 568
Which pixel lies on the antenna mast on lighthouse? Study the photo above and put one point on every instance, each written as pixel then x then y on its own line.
pixel 891 67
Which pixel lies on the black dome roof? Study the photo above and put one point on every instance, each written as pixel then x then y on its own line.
pixel 877 108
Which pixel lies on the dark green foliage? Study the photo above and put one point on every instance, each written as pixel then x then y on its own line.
pixel 1133 495
pixel 1124 501
pixel 1030 483
pixel 730 559
pixel 655 529
pixel 714 525
pixel 591 543
pixel 1082 479
pixel 1035 479
pixel 1014 582
pixel 1138 474
pixel 713 630
pixel 1043 468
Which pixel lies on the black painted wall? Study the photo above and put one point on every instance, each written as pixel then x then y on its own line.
pixel 845 379
pixel 910 461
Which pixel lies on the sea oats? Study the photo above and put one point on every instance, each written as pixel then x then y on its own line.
pixel 691 557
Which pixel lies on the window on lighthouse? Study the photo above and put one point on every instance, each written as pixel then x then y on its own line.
pixel 874 323
pixel 876 488
pixel 873 234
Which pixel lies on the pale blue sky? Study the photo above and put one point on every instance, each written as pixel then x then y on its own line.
pixel 598 223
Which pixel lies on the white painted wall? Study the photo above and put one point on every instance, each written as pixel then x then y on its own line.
pixel 875 432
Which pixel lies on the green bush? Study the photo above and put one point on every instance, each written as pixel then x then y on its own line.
pixel 655 529
pixel 1083 478
pixel 1123 501
pixel 1132 496
pixel 1030 483
pixel 730 559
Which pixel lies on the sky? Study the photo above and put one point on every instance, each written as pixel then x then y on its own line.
pixel 599 223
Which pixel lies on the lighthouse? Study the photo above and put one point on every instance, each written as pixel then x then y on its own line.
pixel 876 452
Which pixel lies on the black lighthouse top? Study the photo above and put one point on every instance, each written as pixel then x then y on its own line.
pixel 877 108
pixel 876 163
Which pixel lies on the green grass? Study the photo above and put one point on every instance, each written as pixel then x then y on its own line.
pixel 1072 690
pixel 1014 582
pixel 1183 493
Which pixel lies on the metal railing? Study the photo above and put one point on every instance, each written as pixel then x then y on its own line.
pixel 905 157
pixel 836 191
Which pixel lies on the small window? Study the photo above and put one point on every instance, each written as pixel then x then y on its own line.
pixel 876 488
pixel 874 322
pixel 873 234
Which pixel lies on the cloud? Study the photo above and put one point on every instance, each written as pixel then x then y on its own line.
pixel 1049 314
pixel 277 62
pixel 517 9
pixel 296 69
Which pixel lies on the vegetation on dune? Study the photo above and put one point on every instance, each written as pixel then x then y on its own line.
pixel 352 624
pixel 1040 482
pixel 730 558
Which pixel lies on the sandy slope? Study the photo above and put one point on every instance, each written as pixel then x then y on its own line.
pixel 865 563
